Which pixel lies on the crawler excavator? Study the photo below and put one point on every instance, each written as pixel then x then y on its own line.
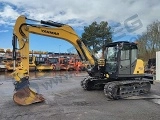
pixel 23 94
pixel 120 73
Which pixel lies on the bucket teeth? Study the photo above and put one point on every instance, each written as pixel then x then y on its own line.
pixel 26 96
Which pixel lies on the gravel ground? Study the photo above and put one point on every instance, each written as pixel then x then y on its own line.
pixel 66 100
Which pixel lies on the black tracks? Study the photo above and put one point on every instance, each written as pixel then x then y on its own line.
pixel 117 89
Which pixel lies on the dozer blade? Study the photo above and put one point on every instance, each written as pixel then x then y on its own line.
pixel 26 96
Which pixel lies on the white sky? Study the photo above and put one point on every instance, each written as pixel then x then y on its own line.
pixel 81 13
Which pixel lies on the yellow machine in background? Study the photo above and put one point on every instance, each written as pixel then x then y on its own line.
pixel 39 62
pixel 7 60
pixel 2 63
pixel 42 65
pixel 32 64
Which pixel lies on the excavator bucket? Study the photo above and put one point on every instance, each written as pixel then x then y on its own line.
pixel 23 94
pixel 26 96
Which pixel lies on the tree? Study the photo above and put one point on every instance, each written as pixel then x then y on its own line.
pixel 149 43
pixel 89 36
pixel 95 36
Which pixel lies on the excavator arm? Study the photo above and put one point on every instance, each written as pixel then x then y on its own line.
pixel 23 94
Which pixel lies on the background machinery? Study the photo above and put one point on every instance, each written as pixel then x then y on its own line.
pixel 120 73
pixel 55 62
pixel 150 68
pixel 76 64
pixel 2 63
pixel 59 63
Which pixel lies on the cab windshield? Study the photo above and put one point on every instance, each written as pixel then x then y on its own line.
pixel 53 60
pixel 111 54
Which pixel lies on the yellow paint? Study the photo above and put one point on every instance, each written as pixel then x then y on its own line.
pixel 44 67
pixel 31 99
pixel 101 62
pixel 139 69
pixel 107 76
pixel 20 73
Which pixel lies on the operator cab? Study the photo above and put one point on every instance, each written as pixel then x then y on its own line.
pixel 53 60
pixel 121 59
pixel 40 60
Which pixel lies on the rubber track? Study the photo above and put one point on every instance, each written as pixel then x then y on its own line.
pixel 124 89
pixel 119 89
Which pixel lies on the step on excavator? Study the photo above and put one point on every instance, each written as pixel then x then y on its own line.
pixel 120 73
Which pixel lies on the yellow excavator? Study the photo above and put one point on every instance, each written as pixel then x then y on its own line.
pixel 120 73
pixel 23 94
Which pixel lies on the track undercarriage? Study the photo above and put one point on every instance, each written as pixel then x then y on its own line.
pixel 117 89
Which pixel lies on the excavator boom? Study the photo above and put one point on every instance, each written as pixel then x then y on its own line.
pixel 23 94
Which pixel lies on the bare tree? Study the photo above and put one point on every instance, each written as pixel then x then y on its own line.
pixel 149 42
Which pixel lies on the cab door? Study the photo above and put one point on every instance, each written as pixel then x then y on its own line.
pixel 125 61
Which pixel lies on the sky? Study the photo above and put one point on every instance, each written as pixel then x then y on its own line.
pixel 128 18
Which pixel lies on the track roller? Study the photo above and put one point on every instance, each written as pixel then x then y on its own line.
pixel 111 90
pixel 87 84
pixel 123 89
